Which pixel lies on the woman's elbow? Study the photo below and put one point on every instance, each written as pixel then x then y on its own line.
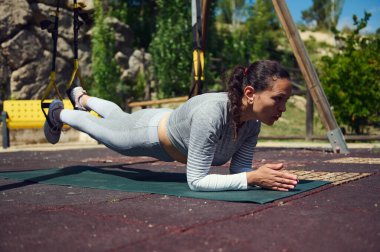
pixel 193 185
pixel 199 185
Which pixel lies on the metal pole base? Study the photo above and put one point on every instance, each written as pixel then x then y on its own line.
pixel 337 141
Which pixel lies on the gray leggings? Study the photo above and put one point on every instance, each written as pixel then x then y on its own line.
pixel 133 134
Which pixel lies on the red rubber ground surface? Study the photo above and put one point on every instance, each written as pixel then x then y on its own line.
pixel 37 217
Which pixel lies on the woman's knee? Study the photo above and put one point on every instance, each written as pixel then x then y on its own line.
pixel 116 113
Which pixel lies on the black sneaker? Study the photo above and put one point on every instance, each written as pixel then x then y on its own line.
pixel 53 130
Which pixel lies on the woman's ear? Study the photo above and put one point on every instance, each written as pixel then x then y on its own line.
pixel 249 94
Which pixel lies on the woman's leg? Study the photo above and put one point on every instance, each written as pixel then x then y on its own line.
pixel 129 134
pixel 104 108
pixel 111 132
pixel 84 102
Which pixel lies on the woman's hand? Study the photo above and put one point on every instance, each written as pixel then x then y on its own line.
pixel 270 176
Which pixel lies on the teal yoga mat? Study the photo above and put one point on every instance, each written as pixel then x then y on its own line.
pixel 148 181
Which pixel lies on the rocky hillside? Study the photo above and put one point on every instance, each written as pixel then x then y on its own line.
pixel 26 49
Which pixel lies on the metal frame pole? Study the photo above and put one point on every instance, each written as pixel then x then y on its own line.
pixel 334 133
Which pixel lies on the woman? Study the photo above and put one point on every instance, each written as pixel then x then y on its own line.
pixel 208 129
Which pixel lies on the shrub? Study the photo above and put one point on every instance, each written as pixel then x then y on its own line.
pixel 171 48
pixel 351 78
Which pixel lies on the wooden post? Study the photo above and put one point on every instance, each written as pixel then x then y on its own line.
pixel 309 116
pixel 334 134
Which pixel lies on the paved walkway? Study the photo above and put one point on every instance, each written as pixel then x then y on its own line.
pixel 37 217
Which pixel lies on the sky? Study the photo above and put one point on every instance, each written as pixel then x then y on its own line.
pixel 350 8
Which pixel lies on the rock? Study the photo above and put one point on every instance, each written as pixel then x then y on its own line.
pixel 148 58
pixel 85 56
pixel 128 75
pixel 65 23
pixel 31 80
pixel 43 36
pixel 64 49
pixel 13 15
pixel 123 35
pixel 89 4
pixel 85 64
pixel 138 55
pixel 139 61
pixel 122 60
pixel 135 64
pixel 22 48
pixel 26 49
pixel 136 60
pixel 149 71
pixel 62 3
pixel 24 79
pixel 65 39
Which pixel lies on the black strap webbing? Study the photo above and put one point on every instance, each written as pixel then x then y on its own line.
pixel 53 29
pixel 76 75
pixel 198 51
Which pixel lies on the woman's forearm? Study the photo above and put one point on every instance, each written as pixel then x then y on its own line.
pixel 217 182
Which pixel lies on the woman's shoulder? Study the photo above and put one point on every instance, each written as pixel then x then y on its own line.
pixel 210 97
pixel 210 103
pixel 210 107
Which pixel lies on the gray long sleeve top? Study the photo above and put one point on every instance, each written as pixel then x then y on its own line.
pixel 200 129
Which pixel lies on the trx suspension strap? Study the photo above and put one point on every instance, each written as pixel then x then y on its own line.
pixel 53 29
pixel 76 72
pixel 198 52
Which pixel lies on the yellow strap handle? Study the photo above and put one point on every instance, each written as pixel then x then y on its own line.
pixel 76 72
pixel 47 92
pixel 198 57
pixel 49 87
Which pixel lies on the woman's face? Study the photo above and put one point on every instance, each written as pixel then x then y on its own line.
pixel 268 105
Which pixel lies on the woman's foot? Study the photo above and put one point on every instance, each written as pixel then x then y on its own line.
pixel 53 126
pixel 79 95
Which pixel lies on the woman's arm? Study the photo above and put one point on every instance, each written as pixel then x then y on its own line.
pixel 267 176
pixel 242 160
pixel 200 156
pixel 204 136
pixel 202 146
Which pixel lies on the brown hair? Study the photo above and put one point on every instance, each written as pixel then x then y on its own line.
pixel 259 76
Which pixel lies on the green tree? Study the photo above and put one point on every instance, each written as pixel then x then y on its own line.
pixel 256 35
pixel 227 40
pixel 230 11
pixel 324 12
pixel 105 71
pixel 171 47
pixel 263 31
pixel 351 78
pixel 140 15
